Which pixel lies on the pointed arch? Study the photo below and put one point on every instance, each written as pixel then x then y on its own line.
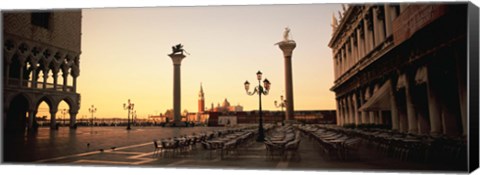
pixel 16 118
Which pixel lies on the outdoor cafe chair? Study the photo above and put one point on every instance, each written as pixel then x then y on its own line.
pixel 157 148
pixel 170 146
pixel 207 146
pixel 273 150
pixel 291 148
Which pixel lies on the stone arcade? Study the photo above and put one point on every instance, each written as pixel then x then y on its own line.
pixel 40 42
pixel 402 66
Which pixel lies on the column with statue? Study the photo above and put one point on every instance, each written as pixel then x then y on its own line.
pixel 177 56
pixel 287 45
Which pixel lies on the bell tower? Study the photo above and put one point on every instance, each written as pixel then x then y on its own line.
pixel 201 100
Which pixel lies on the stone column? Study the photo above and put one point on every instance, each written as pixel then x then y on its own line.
pixel 393 103
pixel 21 75
pixel 368 36
pixel 34 76
pixel 363 113
pixel 74 85
pixel 423 126
pixel 335 67
pixel 6 65
pixel 340 63
pixel 347 56
pixel 55 79
pixel 65 82
pixel 342 103
pixel 53 118
pixel 31 118
pixel 352 109
pixel 352 48
pixel 402 119
pixel 338 115
pixel 177 60
pixel 75 73
pixel 344 60
pixel 45 77
pixel 287 49
pixel 461 73
pixel 380 117
pixel 73 118
pixel 369 113
pixel 355 108
pixel 344 111
pixel 377 24
pixel 388 20
pixel 433 106
pixel 359 44
pixel 411 113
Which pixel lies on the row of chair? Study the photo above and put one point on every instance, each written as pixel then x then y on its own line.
pixel 411 147
pixel 228 144
pixel 336 145
pixel 170 147
pixel 283 142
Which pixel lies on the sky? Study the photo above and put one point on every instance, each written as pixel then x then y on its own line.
pixel 125 56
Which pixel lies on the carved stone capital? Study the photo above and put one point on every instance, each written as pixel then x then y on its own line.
pixel 287 47
pixel 177 58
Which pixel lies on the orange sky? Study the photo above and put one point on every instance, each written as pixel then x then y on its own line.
pixel 124 56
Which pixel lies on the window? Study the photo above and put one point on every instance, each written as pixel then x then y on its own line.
pixel 41 19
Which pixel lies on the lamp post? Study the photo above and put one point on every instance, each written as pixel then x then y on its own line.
pixel 259 90
pixel 281 105
pixel 64 111
pixel 129 106
pixel 134 117
pixel 92 110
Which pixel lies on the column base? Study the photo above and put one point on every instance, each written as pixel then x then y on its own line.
pixel 176 124
pixel 290 122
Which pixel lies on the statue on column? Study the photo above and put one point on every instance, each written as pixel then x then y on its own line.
pixel 178 49
pixel 286 34
pixel 286 37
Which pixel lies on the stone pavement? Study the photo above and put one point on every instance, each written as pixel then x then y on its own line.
pixel 252 156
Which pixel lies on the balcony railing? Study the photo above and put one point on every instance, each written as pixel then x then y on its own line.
pixel 12 82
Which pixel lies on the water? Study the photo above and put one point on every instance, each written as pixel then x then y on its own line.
pixel 46 144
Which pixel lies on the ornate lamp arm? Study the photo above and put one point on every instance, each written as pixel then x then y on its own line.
pixel 252 93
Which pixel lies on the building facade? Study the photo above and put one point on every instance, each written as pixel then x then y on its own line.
pixel 272 117
pixel 403 66
pixel 41 53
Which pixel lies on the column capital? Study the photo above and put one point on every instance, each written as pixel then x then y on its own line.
pixel 177 58
pixel 73 111
pixel 287 47
pixel 53 110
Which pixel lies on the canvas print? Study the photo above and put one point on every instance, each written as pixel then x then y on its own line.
pixel 316 87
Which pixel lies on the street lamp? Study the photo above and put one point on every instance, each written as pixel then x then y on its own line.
pixel 134 117
pixel 92 110
pixel 282 104
pixel 64 111
pixel 128 107
pixel 260 90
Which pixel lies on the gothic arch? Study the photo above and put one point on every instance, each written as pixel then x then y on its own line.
pixel 72 104
pixel 52 103
pixel 16 114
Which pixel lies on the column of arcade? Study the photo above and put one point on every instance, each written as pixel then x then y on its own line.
pixel 419 103
pixel 369 32
pixel 24 63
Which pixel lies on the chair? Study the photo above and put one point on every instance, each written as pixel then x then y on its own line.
pixel 157 150
pixel 292 149
pixel 170 146
pixel 231 147
pixel 208 147
pixel 273 150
